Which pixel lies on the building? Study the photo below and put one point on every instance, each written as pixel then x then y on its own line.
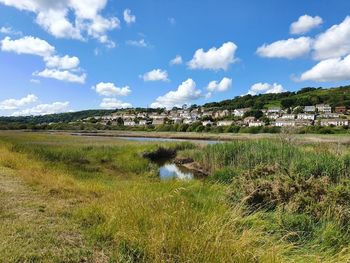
pixel 224 123
pixel 256 124
pixel 222 114
pixel 206 123
pixel 273 116
pixel 129 122
pixel 176 120
pixel 158 121
pixel 288 116
pixel 188 121
pixel 334 122
pixel 309 109
pixel 274 110
pixel 284 123
pixel 324 108
pixel 306 116
pixel 328 116
pixel 240 112
pixel 340 109
pixel 248 120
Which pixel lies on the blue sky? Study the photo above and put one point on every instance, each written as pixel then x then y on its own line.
pixel 69 55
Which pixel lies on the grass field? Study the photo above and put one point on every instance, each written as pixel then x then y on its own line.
pixel 80 199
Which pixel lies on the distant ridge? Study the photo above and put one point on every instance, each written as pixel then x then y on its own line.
pixel 339 96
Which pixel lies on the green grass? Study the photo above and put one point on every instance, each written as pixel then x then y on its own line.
pixel 264 201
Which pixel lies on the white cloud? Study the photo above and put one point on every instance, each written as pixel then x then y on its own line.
pixel 155 75
pixel 333 69
pixel 333 43
pixel 43 109
pixel 214 58
pixel 221 86
pixel 109 89
pixel 65 62
pixel 184 94
pixel 128 17
pixel 13 104
pixel 63 75
pixel 57 67
pixel 176 61
pixel 291 48
pixel 9 31
pixel 72 19
pixel 113 103
pixel 137 43
pixel 304 24
pixel 265 88
pixel 28 45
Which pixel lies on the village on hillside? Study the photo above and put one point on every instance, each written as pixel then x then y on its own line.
pixel 317 115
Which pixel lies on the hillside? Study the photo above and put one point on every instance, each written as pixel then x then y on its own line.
pixel 307 96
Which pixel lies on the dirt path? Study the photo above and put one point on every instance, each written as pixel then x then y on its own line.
pixel 35 227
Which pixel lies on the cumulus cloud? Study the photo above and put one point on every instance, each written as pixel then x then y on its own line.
pixel 63 75
pixel 333 69
pixel 290 48
pixel 44 109
pixel 214 58
pixel 221 86
pixel 304 24
pixel 63 68
pixel 176 61
pixel 137 43
pixel 13 104
pixel 128 17
pixel 72 19
pixel 9 31
pixel 155 75
pixel 109 89
pixel 65 62
pixel 333 43
pixel 265 88
pixel 113 103
pixel 184 94
pixel 28 45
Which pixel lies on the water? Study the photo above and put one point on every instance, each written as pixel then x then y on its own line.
pixel 172 171
pixel 149 139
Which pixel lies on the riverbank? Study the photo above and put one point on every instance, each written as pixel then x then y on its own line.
pixel 314 138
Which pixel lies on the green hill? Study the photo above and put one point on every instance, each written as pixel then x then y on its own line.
pixel 307 96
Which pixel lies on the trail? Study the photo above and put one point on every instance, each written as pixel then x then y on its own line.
pixel 34 226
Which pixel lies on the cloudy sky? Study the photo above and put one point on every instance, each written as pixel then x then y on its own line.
pixel 63 55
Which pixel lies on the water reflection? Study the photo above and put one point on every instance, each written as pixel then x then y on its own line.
pixel 172 171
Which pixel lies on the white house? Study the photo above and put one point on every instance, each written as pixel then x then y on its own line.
pixel 288 116
pixel 129 122
pixel 324 108
pixel 306 116
pixel 240 112
pixel 256 124
pixel 328 116
pixel 247 120
pixel 284 123
pixel 334 122
pixel 309 109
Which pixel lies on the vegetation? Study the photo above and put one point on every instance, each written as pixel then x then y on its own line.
pixel 307 96
pixel 264 201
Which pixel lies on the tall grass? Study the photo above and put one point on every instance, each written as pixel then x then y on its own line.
pixel 125 211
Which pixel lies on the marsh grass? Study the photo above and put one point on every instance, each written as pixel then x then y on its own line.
pixel 128 215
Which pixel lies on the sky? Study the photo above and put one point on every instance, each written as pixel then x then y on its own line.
pixel 69 55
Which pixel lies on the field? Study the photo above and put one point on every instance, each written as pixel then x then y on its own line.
pixel 97 199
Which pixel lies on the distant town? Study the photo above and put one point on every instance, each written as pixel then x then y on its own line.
pixel 313 115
